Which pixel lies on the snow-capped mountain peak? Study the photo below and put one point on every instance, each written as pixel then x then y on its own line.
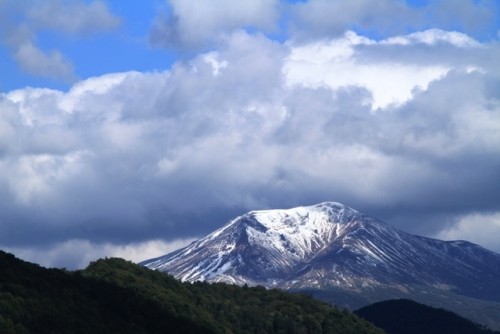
pixel 328 244
pixel 334 251
pixel 260 246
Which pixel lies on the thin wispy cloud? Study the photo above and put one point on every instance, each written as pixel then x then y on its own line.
pixel 24 22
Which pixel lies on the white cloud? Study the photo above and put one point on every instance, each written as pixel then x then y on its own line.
pixel 334 64
pixel 480 228
pixel 195 23
pixel 217 65
pixel 433 37
pixel 46 111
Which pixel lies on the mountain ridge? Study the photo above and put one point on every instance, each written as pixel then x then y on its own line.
pixel 329 243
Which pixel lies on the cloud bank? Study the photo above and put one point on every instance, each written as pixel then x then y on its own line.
pixel 405 128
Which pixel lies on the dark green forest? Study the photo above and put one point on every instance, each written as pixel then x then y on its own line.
pixel 405 316
pixel 117 296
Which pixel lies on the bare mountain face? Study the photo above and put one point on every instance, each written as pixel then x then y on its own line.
pixel 330 249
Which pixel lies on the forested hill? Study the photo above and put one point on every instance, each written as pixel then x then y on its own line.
pixel 116 296
pixel 409 317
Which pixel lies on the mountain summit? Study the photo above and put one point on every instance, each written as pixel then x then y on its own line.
pixel 260 247
pixel 329 246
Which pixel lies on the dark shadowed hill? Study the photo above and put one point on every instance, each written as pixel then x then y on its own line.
pixel 116 296
pixel 405 316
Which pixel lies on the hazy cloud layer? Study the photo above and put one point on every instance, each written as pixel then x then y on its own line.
pixel 405 128
pixel 323 18
pixel 71 17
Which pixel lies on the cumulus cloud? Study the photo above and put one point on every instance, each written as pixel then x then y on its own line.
pixel 22 22
pixel 130 157
pixel 334 64
pixel 195 24
pixel 481 228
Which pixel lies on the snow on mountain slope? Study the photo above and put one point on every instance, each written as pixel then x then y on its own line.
pixel 331 245
pixel 260 246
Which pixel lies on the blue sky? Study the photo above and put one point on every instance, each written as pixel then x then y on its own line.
pixel 122 47
pixel 125 44
pixel 130 128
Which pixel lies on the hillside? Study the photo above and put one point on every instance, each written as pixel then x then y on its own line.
pixel 404 316
pixel 116 296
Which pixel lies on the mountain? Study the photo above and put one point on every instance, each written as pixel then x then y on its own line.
pixel 342 256
pixel 404 316
pixel 330 244
pixel 116 296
